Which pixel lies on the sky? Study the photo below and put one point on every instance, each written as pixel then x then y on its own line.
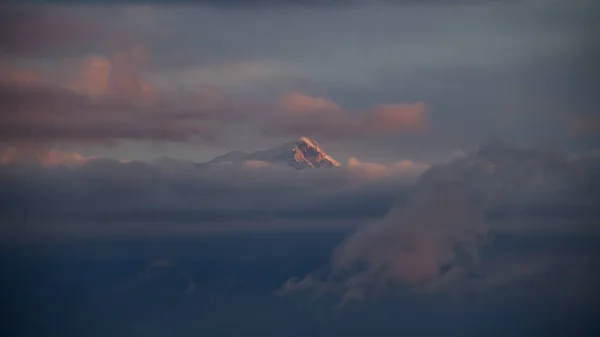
pixel 141 81
pixel 468 133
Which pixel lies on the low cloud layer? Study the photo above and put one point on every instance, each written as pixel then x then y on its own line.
pixel 45 157
pixel 60 187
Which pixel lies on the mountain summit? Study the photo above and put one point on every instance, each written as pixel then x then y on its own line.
pixel 299 153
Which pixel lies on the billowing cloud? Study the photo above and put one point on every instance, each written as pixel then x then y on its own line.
pixel 397 118
pixel 93 77
pixel 438 228
pixel 300 113
pixel 118 76
pixel 435 239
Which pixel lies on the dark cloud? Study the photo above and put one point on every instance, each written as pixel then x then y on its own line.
pixel 38 30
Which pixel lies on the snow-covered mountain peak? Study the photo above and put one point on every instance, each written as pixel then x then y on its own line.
pixel 299 153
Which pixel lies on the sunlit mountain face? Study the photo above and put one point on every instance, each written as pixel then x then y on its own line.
pixel 299 153
pixel 299 168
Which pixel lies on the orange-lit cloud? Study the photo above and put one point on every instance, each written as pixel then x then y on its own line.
pixel 45 157
pixel 397 117
pixel 405 168
pixel 119 75
pixel 93 77
pixel 300 113
pixel 300 103
pixel 12 75
pixel 105 100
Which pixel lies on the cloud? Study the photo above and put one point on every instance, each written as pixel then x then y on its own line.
pixel 65 188
pixel 94 76
pixel 438 228
pixel 46 157
pixel 435 239
pixel 106 100
pixel 10 74
pixel 256 164
pixel 33 30
pixel 299 113
pixel 302 104
pixel 119 75
pixel 397 118
pixel 375 170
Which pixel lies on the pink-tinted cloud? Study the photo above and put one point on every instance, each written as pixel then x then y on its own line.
pixel 45 157
pixel 106 100
pixel 298 113
pixel 93 77
pixel 119 76
pixel 12 75
pixel 404 168
pixel 398 117
pixel 302 104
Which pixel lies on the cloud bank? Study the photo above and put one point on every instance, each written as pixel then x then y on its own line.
pixel 48 187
